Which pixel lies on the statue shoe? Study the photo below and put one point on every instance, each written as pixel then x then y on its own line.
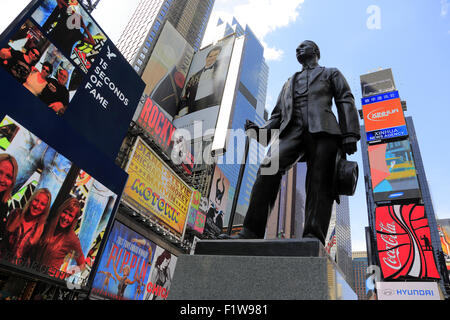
pixel 243 234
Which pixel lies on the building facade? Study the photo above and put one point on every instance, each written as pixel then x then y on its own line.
pixel 189 17
pixel 401 170
pixel 360 264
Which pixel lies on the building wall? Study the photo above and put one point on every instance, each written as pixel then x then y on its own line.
pixel 360 265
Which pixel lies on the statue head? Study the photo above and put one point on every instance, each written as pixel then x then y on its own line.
pixel 307 50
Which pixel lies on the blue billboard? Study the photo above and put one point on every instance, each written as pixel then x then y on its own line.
pixel 66 63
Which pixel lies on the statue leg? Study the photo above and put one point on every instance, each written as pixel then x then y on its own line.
pixel 321 158
pixel 266 187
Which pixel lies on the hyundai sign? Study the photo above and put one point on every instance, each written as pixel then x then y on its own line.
pixel 408 291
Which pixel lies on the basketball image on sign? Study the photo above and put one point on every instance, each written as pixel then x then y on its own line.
pixel 404 242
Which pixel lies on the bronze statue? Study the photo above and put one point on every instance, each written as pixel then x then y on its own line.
pixel 308 132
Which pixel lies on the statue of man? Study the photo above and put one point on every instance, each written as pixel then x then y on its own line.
pixel 308 132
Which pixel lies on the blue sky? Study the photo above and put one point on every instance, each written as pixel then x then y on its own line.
pixel 413 39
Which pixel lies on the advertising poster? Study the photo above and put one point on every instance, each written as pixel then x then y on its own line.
pixel 377 82
pixel 53 213
pixel 163 268
pixel 202 94
pixel 444 234
pixel 218 201
pixel 166 71
pixel 383 117
pixel 154 121
pixel 54 57
pixel 125 266
pixel 197 219
pixel 155 191
pixel 404 242
pixel 393 171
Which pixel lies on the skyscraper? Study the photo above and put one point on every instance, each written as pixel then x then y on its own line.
pixel 394 177
pixel 360 265
pixel 189 17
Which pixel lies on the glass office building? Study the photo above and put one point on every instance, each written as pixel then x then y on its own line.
pixel 189 17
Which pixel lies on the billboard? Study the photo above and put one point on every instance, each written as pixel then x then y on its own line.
pixel 125 266
pixel 166 71
pixel 383 117
pixel 444 235
pixel 218 202
pixel 408 291
pixel 377 82
pixel 158 285
pixel 197 219
pixel 174 145
pixel 202 94
pixel 55 58
pixel 404 243
pixel 154 190
pixel 54 212
pixel 393 171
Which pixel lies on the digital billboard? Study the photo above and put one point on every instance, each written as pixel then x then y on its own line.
pixel 202 95
pixel 155 190
pixel 218 202
pixel 166 71
pixel 444 235
pixel 377 82
pixel 404 242
pixel 54 212
pixel 197 219
pixel 383 117
pixel 393 171
pixel 125 266
pixel 56 58
pixel 174 145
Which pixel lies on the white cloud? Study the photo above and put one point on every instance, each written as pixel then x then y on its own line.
pixel 445 5
pixel 262 16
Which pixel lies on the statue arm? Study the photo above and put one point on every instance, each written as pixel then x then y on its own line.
pixel 345 103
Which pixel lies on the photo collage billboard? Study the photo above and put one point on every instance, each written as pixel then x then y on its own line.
pixel 67 65
pixel 54 213
pixel 133 268
pixel 67 101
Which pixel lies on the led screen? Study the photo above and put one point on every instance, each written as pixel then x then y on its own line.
pixel 393 171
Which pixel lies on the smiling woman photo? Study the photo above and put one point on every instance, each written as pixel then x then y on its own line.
pixel 8 175
pixel 60 240
pixel 25 226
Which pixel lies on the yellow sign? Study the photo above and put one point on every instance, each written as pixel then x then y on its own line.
pixel 153 189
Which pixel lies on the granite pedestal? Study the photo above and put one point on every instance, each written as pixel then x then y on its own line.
pixel 259 270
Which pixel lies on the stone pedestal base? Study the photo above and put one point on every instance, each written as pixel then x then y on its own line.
pixel 259 270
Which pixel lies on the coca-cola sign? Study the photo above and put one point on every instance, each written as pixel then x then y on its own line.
pixel 404 242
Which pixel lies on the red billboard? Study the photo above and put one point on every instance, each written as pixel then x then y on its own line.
pixel 404 242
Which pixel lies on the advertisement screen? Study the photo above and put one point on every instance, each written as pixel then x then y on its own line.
pixel 377 82
pixel 174 145
pixel 218 202
pixel 197 219
pixel 383 117
pixel 154 190
pixel 125 267
pixel 202 94
pixel 53 213
pixel 55 58
pixel 404 242
pixel 166 71
pixel 393 171
pixel 444 234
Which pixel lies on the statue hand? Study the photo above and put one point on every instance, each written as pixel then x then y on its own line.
pixel 349 148
pixel 250 125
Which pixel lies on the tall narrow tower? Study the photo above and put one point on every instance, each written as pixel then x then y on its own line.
pixel 189 17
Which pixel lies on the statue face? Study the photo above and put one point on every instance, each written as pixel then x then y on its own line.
pixel 305 50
